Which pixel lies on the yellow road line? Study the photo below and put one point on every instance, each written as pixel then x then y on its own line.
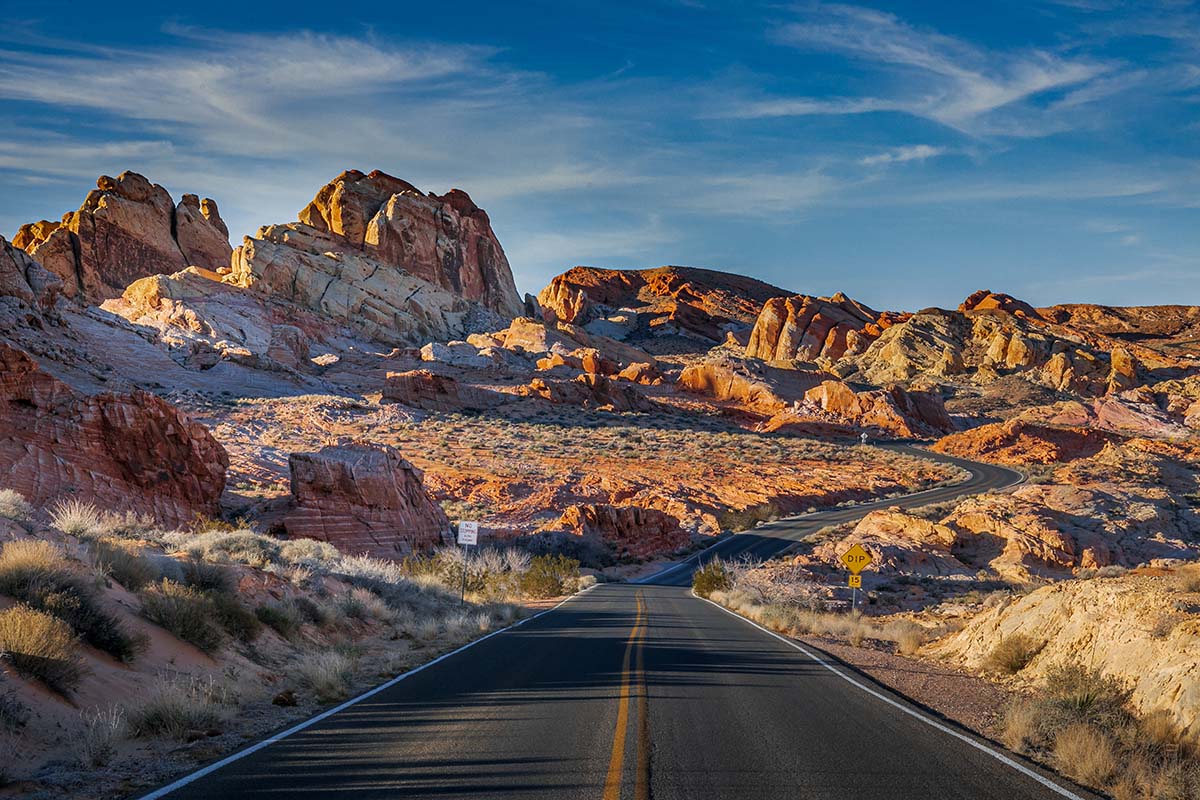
pixel 641 789
pixel 612 784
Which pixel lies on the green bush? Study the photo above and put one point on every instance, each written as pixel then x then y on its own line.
pixel 283 617
pixel 183 611
pixel 712 577
pixel 241 623
pixel 208 578
pixel 548 576
pixel 40 646
pixel 37 574
pixel 128 568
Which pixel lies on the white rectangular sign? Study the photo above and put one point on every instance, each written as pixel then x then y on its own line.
pixel 468 532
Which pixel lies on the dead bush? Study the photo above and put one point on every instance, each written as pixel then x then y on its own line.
pixel 1012 654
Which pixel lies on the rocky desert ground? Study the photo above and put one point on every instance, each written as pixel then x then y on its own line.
pixel 228 476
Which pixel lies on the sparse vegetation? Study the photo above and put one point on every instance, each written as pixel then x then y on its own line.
pixel 14 506
pixel 176 706
pixel 1187 578
pixel 283 617
pixel 183 611
pixel 102 729
pixel 1012 654
pixel 76 518
pixel 38 574
pixel 40 646
pixel 549 576
pixel 124 564
pixel 712 577
pixel 328 675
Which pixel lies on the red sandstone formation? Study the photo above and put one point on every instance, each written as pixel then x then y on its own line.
pixel 804 328
pixel 699 302
pixel 421 388
pixel 590 391
pixel 1021 442
pixel 631 530
pixel 132 452
pixel 362 499
pixel 126 229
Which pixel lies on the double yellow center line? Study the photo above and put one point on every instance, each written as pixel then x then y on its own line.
pixel 632 682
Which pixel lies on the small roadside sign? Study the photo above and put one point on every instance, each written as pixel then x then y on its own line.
pixel 854 581
pixel 855 559
pixel 468 532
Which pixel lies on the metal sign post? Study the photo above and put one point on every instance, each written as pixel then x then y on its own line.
pixel 468 534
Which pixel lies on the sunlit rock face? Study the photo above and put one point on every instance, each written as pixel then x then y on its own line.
pixel 127 228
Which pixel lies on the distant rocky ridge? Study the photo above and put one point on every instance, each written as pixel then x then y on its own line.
pixel 805 328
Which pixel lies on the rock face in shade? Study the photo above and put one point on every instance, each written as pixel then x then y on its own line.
pixel 362 499
pixel 420 388
pixel 805 328
pixel 697 302
pixel 126 229
pixel 394 264
pixel 132 452
pixel 631 530
pixel 27 291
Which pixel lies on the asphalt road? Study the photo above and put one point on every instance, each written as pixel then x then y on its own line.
pixel 632 691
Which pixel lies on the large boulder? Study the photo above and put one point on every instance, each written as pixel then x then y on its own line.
pixel 362 499
pixel 133 452
pixel 630 530
pixel 804 328
pixel 27 290
pixel 589 391
pixel 126 228
pixel 987 300
pixel 755 386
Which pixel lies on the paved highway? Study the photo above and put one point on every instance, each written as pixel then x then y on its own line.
pixel 635 691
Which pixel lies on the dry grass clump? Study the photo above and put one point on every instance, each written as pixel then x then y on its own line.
pixel 282 616
pixel 1187 578
pixel 1081 722
pixel 14 506
pixel 76 518
pixel 102 729
pixel 329 675
pixel 124 563
pixel 38 574
pixel 41 646
pixel 177 706
pixel 1012 654
pixel 908 636
pixel 1086 754
pixel 363 604
pixel 183 611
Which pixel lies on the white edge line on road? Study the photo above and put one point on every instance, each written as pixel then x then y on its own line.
pixel 912 712
pixel 254 748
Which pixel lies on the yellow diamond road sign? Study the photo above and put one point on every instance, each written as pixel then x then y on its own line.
pixel 855 559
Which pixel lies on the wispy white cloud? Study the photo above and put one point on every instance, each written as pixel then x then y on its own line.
pixel 899 155
pixel 930 75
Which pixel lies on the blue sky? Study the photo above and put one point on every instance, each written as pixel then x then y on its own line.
pixel 905 153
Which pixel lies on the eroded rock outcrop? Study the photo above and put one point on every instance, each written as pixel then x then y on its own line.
pixel 759 387
pixel 695 302
pixel 132 452
pixel 805 328
pixel 362 499
pixel 911 413
pixel 589 391
pixel 127 228
pixel 1018 441
pixel 27 290
pixel 420 388
pixel 987 300
pixel 630 530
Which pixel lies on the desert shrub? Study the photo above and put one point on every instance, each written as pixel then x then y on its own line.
pixel 239 546
pixel 239 621
pixel 15 507
pixel 177 706
pixel 37 574
pixel 102 729
pixel 282 616
pixel 329 675
pixel 908 636
pixel 1087 695
pixel 1012 654
pixel 41 646
pixel 13 713
pixel 1187 578
pixel 362 604
pixel 1021 724
pixel 183 611
pixel 124 565
pixel 129 526
pixel 206 577
pixel 591 553
pixel 76 518
pixel 309 553
pixel 547 576
pixel 712 577
pixel 1086 754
